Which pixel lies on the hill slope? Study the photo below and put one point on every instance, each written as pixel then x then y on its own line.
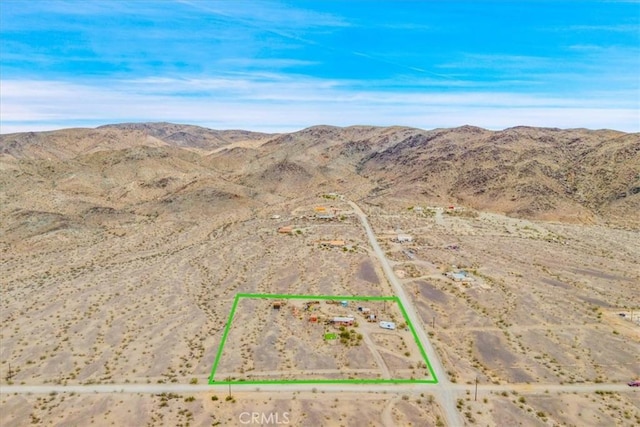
pixel 573 175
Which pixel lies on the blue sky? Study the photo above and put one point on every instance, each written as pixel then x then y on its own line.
pixel 285 65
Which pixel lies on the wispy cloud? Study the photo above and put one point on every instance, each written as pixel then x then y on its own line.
pixel 618 28
pixel 265 63
pixel 268 15
pixel 287 104
pixel 284 65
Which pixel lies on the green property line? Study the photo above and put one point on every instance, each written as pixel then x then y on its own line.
pixel 433 380
pixel 415 337
pixel 312 381
pixel 322 297
pixel 224 338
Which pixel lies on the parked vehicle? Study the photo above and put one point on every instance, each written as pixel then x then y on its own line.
pixel 635 383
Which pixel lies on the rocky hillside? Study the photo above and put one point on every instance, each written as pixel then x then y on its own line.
pixel 572 175
pixel 530 172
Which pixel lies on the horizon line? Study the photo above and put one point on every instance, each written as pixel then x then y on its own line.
pixel 295 129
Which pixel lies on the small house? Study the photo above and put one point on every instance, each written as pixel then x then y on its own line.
pixel 325 215
pixel 460 276
pixel 343 321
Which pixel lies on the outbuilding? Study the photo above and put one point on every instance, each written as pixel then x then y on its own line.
pixel 460 276
pixel 404 238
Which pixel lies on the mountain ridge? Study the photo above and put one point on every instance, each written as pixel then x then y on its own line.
pixel 575 175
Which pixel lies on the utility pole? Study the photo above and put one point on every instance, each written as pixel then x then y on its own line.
pixel 229 383
pixel 433 322
pixel 475 398
pixel 10 374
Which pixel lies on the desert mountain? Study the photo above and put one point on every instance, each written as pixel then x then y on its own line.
pixel 125 248
pixel 189 135
pixel 575 175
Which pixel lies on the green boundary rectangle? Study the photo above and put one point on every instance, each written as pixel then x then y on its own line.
pixel 395 299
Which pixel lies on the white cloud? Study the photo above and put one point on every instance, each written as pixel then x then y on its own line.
pixel 268 15
pixel 280 103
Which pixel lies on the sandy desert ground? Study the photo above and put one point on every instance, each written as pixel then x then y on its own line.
pixel 544 308
pixel 288 343
pixel 99 290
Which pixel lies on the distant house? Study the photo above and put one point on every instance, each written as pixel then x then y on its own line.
pixel 287 229
pixel 325 215
pixel 404 238
pixel 460 276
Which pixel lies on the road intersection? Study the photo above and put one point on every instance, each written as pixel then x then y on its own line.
pixel 444 394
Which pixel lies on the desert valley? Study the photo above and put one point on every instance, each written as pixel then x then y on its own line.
pixel 516 253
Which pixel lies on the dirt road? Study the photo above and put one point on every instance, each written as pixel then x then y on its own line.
pixel 376 355
pixel 456 389
pixel 438 217
pixel 445 395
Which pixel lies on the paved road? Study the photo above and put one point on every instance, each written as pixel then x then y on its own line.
pixel 445 394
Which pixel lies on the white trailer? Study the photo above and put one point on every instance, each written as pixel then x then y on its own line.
pixel 387 325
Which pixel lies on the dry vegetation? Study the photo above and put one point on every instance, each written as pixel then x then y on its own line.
pixel 270 344
pixel 123 248
pixel 299 409
pixel 534 312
